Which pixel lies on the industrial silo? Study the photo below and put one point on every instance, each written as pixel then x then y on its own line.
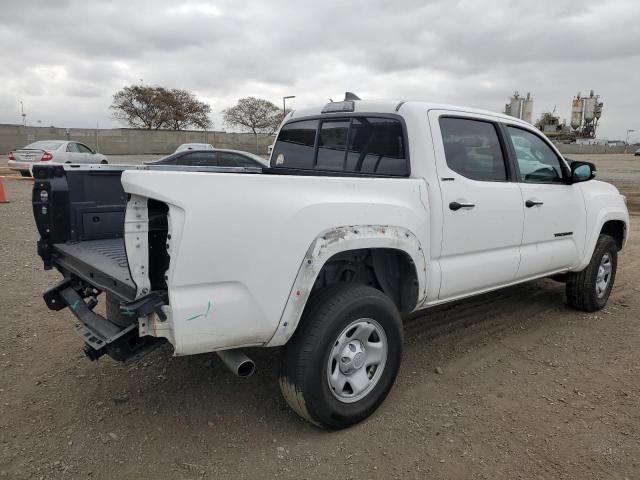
pixel 527 109
pixel 590 108
pixel 576 112
pixel 515 105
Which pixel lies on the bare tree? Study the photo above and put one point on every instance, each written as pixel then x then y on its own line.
pixel 140 106
pixel 183 110
pixel 143 106
pixel 254 114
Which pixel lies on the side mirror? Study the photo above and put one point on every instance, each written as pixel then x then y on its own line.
pixel 582 171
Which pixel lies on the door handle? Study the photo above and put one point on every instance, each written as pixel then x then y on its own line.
pixel 455 206
pixel 533 203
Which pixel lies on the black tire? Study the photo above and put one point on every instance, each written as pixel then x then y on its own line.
pixel 582 290
pixel 103 162
pixel 304 359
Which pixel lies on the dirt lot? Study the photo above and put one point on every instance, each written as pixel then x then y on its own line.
pixel 528 389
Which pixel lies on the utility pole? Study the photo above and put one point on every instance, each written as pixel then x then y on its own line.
pixel 24 115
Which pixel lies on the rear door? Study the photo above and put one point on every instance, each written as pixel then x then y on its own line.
pixel 554 213
pixel 73 154
pixel 482 206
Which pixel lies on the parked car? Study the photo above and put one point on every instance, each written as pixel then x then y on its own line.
pixel 369 210
pixel 637 153
pixel 194 146
pixel 212 158
pixel 53 151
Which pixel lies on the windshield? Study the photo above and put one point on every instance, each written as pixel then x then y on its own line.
pixel 44 145
pixel 194 146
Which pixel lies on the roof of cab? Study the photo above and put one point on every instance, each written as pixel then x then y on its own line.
pixel 395 106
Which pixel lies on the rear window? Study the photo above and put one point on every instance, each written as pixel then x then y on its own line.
pixel 295 145
pixel 373 145
pixel 44 145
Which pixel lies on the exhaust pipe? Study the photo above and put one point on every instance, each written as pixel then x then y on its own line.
pixel 236 361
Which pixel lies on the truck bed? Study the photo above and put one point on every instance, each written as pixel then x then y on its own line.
pixel 102 263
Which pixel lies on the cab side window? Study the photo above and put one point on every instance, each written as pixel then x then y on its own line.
pixel 472 149
pixel 537 162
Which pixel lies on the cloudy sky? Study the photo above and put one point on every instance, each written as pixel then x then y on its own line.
pixel 64 59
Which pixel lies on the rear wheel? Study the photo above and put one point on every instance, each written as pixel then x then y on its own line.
pixel 589 289
pixel 344 357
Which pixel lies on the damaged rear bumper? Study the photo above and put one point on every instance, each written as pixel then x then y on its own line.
pixel 121 341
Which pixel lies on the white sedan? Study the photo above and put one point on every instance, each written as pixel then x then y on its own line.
pixel 56 151
pixel 194 146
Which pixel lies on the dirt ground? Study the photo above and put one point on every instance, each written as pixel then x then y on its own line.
pixel 528 389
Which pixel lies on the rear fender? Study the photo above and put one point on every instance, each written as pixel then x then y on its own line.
pixel 337 240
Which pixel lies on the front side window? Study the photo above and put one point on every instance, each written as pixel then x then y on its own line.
pixel 83 148
pixel 537 162
pixel 472 149
pixel 295 145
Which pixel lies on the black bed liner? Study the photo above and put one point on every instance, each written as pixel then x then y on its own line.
pixel 102 263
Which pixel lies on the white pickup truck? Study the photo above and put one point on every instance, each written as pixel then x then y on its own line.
pixel 368 210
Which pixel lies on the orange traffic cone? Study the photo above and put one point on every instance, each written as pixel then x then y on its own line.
pixel 3 196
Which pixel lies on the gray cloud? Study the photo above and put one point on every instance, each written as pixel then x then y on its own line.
pixel 65 59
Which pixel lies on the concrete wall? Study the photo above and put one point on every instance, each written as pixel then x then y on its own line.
pixel 595 149
pixel 125 141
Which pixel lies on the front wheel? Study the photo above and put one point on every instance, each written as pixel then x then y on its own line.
pixel 589 289
pixel 342 360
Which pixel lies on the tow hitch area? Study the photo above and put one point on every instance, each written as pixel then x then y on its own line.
pixel 100 335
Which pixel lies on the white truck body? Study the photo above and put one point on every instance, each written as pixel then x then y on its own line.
pixel 242 243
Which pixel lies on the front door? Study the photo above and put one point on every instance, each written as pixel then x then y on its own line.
pixel 554 213
pixel 482 208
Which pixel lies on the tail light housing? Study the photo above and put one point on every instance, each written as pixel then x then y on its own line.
pixel 11 156
pixel 46 156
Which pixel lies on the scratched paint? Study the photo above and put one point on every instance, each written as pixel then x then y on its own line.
pixel 420 197
pixel 202 315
